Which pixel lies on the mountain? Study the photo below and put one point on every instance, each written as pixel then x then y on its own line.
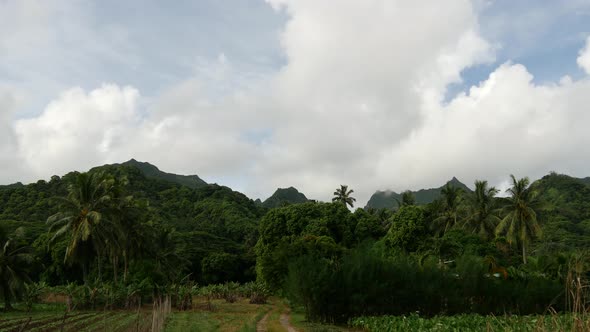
pixel 152 172
pixel 585 181
pixel 203 223
pixel 387 199
pixel 13 185
pixel 284 195
pixel 566 214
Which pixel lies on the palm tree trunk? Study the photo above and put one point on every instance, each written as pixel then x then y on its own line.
pixel 6 293
pixel 125 266
pixel 98 260
pixel 115 268
pixel 85 273
pixel 523 253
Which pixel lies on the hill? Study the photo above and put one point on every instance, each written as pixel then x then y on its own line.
pixel 152 172
pixel 204 221
pixel 585 181
pixel 387 199
pixel 284 196
pixel 566 217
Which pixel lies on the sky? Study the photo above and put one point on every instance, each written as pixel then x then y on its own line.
pixel 259 95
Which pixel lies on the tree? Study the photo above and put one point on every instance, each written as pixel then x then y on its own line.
pixel 342 195
pixel 81 217
pixel 407 229
pixel 15 261
pixel 299 229
pixel 408 199
pixel 520 224
pixel 452 201
pixel 482 218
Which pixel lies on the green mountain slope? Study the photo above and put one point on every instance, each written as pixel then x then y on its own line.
pixel 566 217
pixel 284 196
pixel 152 172
pixel 387 199
pixel 206 223
pixel 585 181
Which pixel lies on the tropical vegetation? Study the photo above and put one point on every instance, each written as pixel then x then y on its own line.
pixel 123 235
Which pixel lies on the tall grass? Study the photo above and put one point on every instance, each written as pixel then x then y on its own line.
pixel 577 291
pixel 161 310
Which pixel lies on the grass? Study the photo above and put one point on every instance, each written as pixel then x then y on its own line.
pixel 225 317
pixel 45 317
pixel 298 321
pixel 242 316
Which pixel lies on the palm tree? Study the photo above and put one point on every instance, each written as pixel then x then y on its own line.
pixel 15 261
pixel 482 218
pixel 520 223
pixel 135 237
pixel 81 216
pixel 342 195
pixel 451 200
pixel 407 199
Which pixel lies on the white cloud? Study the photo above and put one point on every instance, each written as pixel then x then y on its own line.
pixel 359 101
pixel 505 125
pixel 355 80
pixel 10 166
pixel 584 58
pixel 78 129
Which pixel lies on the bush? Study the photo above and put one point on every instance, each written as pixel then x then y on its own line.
pixel 33 292
pixel 256 291
pixel 365 282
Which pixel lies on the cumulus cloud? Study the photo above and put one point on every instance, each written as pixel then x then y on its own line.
pixel 354 82
pixel 584 58
pixel 78 128
pixel 360 100
pixel 506 124
pixel 10 166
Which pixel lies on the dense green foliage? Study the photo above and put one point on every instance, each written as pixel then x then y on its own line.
pixel 470 323
pixel 120 234
pixel 152 172
pixel 367 282
pixel 295 230
pixel 127 223
pixel 461 253
pixel 15 261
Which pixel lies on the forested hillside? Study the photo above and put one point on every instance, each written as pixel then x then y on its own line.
pixel 447 250
pixel 212 229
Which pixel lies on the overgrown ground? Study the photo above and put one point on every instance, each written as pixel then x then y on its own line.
pixel 472 322
pixel 53 318
pixel 216 315
pixel 275 316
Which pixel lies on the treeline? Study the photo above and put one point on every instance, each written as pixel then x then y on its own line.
pixel 114 231
pixel 114 225
pixel 463 253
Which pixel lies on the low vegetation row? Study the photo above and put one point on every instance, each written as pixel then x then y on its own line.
pixel 473 323
pixel 109 296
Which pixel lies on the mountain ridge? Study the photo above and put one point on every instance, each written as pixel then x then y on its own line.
pixel 388 198
pixel 153 172
pixel 281 196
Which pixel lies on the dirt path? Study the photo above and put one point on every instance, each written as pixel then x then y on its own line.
pixel 285 322
pixel 261 325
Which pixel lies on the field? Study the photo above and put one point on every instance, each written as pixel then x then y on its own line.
pixel 475 323
pixel 215 316
pixel 276 316
pixel 52 318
